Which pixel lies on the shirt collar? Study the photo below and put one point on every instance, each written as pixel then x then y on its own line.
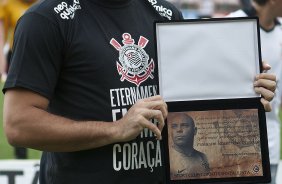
pixel 112 3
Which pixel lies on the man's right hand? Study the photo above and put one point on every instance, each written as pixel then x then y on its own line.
pixel 138 117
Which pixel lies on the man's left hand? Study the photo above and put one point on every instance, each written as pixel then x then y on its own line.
pixel 265 84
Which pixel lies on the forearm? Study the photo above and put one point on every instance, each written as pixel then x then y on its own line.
pixel 28 124
pixel 38 129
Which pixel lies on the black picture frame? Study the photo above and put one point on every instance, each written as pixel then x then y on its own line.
pixel 231 105
pixel 259 173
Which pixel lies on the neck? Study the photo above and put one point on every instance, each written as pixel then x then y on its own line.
pixel 265 15
pixel 112 3
pixel 186 150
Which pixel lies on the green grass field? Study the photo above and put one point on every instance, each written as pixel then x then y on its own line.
pixel 6 151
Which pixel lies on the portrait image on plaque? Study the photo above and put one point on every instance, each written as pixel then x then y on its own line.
pixel 214 144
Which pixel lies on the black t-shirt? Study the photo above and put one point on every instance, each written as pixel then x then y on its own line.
pixel 93 59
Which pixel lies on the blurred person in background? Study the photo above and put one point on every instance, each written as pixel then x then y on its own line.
pixel 10 12
pixel 246 3
pixel 268 12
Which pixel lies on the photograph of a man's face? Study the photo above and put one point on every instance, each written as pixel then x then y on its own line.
pixel 207 144
pixel 183 130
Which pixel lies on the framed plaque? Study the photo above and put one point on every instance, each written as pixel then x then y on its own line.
pixel 216 128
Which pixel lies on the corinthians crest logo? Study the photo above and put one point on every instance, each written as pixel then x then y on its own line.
pixel 133 64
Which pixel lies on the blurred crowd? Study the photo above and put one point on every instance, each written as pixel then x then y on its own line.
pixel 209 8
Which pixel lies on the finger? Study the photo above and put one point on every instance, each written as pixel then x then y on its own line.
pixel 155 102
pixel 268 84
pixel 266 76
pixel 267 94
pixel 151 126
pixel 155 114
pixel 150 102
pixel 161 123
pixel 265 66
pixel 266 105
pixel 153 98
pixel 162 107
pixel 157 105
pixel 164 110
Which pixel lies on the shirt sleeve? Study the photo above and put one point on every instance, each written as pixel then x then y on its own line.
pixel 37 55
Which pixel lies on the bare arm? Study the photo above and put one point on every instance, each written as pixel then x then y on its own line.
pixel 28 124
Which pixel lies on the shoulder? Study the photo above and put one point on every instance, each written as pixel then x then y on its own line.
pixel 200 155
pixel 43 21
pixel 55 10
pixel 57 15
pixel 278 22
pixel 166 9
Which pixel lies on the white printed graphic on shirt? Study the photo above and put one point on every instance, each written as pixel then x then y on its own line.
pixel 67 11
pixel 135 155
pixel 133 64
pixel 163 11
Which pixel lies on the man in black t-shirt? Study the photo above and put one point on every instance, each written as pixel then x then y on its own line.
pixel 83 88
